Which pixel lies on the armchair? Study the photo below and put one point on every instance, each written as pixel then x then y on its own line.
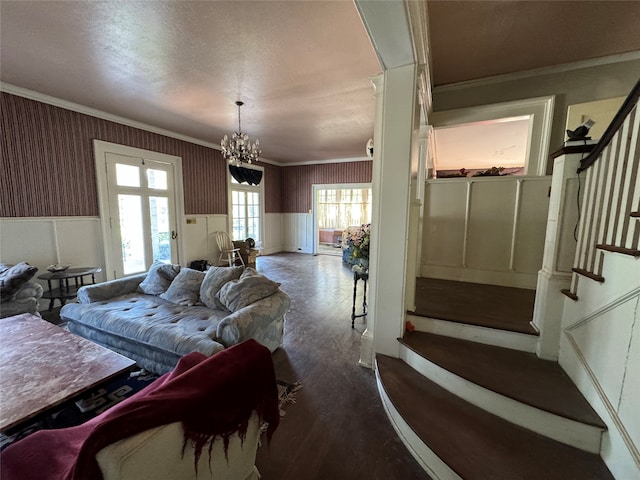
pixel 17 293
pixel 166 430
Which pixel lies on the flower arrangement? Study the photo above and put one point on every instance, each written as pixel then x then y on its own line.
pixel 355 243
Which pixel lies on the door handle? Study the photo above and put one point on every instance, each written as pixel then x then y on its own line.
pixel 174 234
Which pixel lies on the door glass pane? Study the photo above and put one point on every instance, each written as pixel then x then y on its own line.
pixel 157 179
pixel 160 229
pixel 131 233
pixel 127 175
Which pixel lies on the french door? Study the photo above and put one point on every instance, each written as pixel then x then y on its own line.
pixel 139 210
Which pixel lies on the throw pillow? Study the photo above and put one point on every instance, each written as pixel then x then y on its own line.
pixel 185 288
pixel 12 278
pixel 213 281
pixel 159 278
pixel 249 288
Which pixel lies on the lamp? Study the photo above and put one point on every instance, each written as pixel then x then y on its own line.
pixel 239 149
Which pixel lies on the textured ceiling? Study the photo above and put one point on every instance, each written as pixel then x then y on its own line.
pixel 478 39
pixel 301 67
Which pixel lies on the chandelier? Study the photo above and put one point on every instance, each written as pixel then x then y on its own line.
pixel 239 149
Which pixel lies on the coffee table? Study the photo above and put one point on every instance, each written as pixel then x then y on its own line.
pixel 43 365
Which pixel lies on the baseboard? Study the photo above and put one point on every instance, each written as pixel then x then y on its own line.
pixel 490 277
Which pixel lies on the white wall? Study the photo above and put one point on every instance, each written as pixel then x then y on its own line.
pixel 42 241
pixel 54 240
pixel 297 232
pixel 485 230
pixel 600 350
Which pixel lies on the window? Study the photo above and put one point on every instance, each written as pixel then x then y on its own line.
pixel 245 210
pixel 344 207
pixel 245 217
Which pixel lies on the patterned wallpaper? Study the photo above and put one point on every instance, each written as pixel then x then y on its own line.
pixel 297 181
pixel 48 167
pixel 272 187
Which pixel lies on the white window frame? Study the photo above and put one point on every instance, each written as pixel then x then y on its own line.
pixel 331 186
pixel 101 148
pixel 540 109
pixel 245 187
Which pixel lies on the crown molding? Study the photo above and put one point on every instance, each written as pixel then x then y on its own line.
pixel 76 107
pixel 332 160
pixel 538 72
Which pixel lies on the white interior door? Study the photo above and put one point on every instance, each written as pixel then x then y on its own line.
pixel 141 207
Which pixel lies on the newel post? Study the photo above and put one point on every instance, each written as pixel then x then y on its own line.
pixel 559 248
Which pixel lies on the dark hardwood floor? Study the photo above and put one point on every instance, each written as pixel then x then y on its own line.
pixel 338 428
pixel 505 308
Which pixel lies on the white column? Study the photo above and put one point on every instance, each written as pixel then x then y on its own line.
pixel 366 342
pixel 559 251
pixel 396 120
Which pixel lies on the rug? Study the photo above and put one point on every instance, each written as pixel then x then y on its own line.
pixel 287 393
pixel 93 403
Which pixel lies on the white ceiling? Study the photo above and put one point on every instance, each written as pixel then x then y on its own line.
pixel 301 67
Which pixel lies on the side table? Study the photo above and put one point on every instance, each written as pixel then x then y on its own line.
pixel 359 273
pixel 66 291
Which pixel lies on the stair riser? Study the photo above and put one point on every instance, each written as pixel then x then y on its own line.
pixel 569 432
pixel 487 336
pixel 429 461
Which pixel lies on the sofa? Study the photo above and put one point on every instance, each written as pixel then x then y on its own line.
pixel 157 317
pixel 200 421
pixel 18 294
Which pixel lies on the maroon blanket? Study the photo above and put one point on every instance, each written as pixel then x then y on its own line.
pixel 212 397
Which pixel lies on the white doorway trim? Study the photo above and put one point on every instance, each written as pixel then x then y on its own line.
pixel 328 186
pixel 539 108
pixel 101 149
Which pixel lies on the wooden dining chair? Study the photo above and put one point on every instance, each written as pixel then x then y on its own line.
pixel 227 249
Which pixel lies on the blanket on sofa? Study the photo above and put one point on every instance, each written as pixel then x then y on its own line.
pixel 212 397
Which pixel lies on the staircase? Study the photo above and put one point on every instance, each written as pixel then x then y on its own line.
pixel 468 410
pixel 471 400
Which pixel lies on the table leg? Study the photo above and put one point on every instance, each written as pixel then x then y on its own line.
pixel 353 309
pixel 364 299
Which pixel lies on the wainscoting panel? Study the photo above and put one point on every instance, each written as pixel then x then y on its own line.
pixel 54 240
pixel 272 233
pixel 297 232
pixel 200 243
pixel 485 229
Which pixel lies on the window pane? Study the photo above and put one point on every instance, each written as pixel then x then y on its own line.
pixel 157 179
pixel 160 228
pixel 127 175
pixel 131 233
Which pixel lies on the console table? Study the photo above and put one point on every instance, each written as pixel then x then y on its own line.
pixel 67 290
pixel 359 273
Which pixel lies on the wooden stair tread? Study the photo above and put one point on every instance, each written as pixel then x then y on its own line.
pixel 517 375
pixel 474 443
pixel 491 306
